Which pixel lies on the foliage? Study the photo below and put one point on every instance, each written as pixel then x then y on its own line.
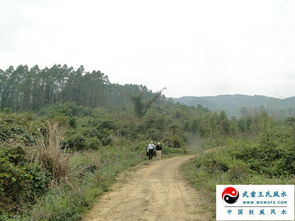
pixel 267 159
pixel 91 174
pixel 20 180
pixel 140 107
pixel 69 109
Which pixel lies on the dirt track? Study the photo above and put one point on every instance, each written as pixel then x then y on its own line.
pixel 153 191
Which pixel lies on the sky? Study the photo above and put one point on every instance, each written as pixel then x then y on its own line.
pixel 191 47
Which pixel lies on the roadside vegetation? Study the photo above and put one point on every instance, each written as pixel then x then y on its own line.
pixel 54 164
pixel 266 156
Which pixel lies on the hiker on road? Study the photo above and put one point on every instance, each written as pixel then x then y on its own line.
pixel 150 150
pixel 159 151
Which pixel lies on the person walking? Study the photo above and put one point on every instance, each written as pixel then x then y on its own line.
pixel 159 151
pixel 150 150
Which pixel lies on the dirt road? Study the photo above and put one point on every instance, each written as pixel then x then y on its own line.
pixel 155 190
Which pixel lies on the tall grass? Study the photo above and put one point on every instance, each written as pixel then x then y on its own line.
pixel 48 153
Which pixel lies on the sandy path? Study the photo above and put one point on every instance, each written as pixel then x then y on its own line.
pixel 156 190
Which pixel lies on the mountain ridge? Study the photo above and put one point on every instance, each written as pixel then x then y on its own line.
pixel 237 104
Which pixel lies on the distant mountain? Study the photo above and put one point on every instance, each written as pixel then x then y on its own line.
pixel 237 105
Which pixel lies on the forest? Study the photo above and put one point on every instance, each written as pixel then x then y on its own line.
pixel 65 134
pixel 30 89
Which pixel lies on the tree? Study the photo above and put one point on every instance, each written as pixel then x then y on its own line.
pixel 141 107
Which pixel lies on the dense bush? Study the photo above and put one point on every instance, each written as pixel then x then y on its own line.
pixel 271 161
pixel 20 180
pixel 69 109
pixel 243 161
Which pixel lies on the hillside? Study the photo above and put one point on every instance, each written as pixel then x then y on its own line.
pixel 238 105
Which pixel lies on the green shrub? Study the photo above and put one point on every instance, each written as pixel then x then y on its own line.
pixel 75 142
pixel 241 163
pixel 20 180
pixel 173 141
pixel 69 109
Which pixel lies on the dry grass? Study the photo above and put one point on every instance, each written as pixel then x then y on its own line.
pixel 49 154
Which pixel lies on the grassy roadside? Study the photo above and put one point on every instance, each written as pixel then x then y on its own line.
pixel 238 164
pixel 91 174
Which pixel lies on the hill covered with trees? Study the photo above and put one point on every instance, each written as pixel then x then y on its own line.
pixel 240 105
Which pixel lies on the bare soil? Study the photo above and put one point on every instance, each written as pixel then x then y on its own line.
pixel 154 190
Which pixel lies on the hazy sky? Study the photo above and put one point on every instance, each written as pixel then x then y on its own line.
pixel 197 47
